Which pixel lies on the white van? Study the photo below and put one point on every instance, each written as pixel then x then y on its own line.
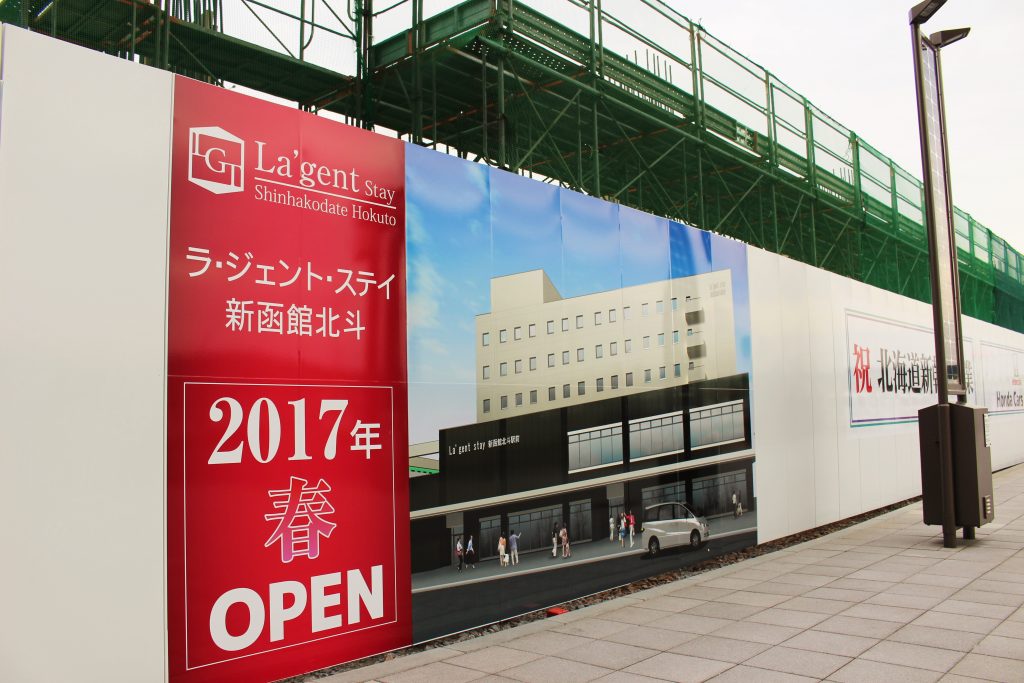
pixel 667 525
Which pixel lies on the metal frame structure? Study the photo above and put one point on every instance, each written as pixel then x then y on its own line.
pixel 697 133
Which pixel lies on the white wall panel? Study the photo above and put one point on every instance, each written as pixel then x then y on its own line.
pixel 84 155
pixel 824 425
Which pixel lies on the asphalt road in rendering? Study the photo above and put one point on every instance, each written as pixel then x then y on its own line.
pixel 445 611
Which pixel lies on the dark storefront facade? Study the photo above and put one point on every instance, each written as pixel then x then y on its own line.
pixel 580 465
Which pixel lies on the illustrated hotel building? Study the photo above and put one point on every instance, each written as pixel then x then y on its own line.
pixel 536 350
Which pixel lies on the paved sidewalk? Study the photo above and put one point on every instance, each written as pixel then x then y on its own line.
pixel 880 601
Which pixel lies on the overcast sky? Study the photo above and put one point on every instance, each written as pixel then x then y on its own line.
pixel 853 60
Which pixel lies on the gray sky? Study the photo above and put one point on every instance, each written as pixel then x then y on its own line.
pixel 853 60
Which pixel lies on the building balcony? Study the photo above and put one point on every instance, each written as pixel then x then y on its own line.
pixel 697 372
pixel 694 309
pixel 697 349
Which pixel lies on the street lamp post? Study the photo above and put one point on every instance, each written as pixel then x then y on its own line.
pixel 949 355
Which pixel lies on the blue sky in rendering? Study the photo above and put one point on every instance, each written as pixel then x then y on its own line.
pixel 467 223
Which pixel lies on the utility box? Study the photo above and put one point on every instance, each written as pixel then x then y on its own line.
pixel 973 502
pixel 972 465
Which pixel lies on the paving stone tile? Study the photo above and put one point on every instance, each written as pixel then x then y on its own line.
pixel 631 614
pixel 831 643
pixel 690 623
pixel 826 570
pixel 849 583
pixel 916 634
pixel 609 655
pixel 435 671
pixel 855 626
pixel 757 633
pixel 865 670
pixel 989 668
pixel 726 582
pixel 701 592
pixel 547 642
pixel 654 638
pixel 787 617
pixel 916 656
pixel 897 600
pixel 493 659
pixel 1002 646
pixel 670 603
pixel 818 606
pixel 986 598
pixel 753 599
pixel 548 669
pixel 723 649
pixel 592 628
pixel 937 580
pixel 624 677
pixel 776 588
pixel 922 589
pixel 724 610
pixel 813 580
pixel 958 622
pixel 681 668
pixel 902 615
pixel 746 674
pixel 974 609
pixel 830 593
pixel 800 662
pixel 1010 629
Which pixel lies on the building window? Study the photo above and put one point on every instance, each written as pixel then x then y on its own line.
pixel 627 313
pixel 595 446
pixel 615 381
pixel 566 393
pixel 519 365
pixel 551 327
pixel 532 330
pixel 661 339
pixel 647 342
pixel 565 357
pixel 675 303
pixel 629 345
pixel 675 336
pixel 613 348
pixel 503 369
pixel 551 393
pixel 659 306
pixel 579 322
pixel 517 333
pixel 565 324
pixel 503 336
pixel 645 309
pixel 519 399
pixel 581 388
pixel 504 402
pixel 485 339
pixel 716 424
pixel 579 355
pixel 611 315
pixel 533 396
pixel 629 379
pixel 661 372
pixel 599 384
pixel 487 405
pixel 689 332
pixel 647 376
pixel 597 317
pixel 487 372
pixel 533 363
pixel 656 435
pixel 598 351
pixel 551 360
pixel 677 369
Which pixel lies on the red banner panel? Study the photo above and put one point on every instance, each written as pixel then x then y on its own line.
pixel 287 505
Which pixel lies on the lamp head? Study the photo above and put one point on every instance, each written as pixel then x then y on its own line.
pixel 941 39
pixel 923 11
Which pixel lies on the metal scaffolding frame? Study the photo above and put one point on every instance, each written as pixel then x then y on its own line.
pixel 700 134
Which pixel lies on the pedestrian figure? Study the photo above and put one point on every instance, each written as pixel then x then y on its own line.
pixel 554 541
pixel 565 542
pixel 622 530
pixel 735 503
pixel 611 528
pixel 502 557
pixel 470 553
pixel 458 552
pixel 513 544
pixel 632 526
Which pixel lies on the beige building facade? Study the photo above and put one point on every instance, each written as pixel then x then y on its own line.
pixel 536 350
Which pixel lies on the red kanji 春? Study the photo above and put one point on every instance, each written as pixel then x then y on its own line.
pixel 300 516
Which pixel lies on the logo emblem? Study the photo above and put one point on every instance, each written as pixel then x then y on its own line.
pixel 216 160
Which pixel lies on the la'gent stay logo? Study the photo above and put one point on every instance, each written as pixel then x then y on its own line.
pixel 216 160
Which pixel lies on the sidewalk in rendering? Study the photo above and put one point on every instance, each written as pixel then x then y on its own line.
pixel 880 601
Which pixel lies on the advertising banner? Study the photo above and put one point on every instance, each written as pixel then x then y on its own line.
pixel 1002 378
pixel 287 513
pixel 891 370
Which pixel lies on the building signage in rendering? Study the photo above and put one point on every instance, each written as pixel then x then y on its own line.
pixel 286 409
